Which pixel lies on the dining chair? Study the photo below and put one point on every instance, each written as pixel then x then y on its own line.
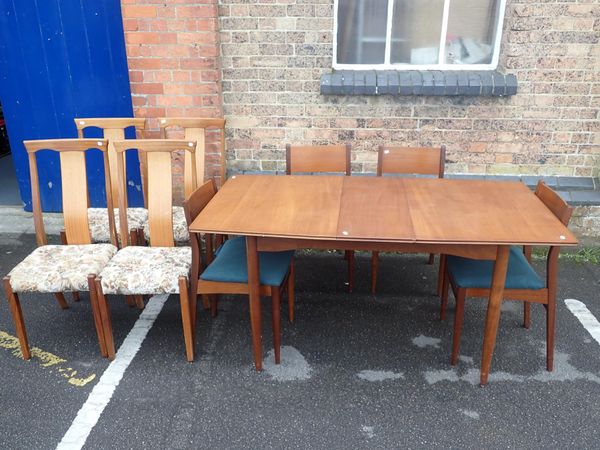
pixel 192 129
pixel 413 161
pixel 226 270
pixel 63 268
pixel 472 278
pixel 113 128
pixel 161 268
pixel 324 159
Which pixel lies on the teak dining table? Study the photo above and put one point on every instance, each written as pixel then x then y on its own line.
pixel 471 218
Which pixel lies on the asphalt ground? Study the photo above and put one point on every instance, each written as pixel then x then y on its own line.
pixel 358 371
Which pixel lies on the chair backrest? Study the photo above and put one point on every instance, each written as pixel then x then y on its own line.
pixel 195 129
pixel 113 129
pixel 411 160
pixel 75 198
pixel 554 202
pixel 158 154
pixel 192 207
pixel 317 159
pixel 562 211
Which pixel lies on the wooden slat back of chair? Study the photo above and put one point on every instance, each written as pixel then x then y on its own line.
pixel 563 212
pixel 198 200
pixel 554 202
pixel 74 186
pixel 317 159
pixel 113 129
pixel 411 160
pixel 158 153
pixel 195 129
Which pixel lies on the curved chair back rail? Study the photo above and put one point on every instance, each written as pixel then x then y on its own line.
pixel 113 129
pixel 411 160
pixel 75 196
pixel 318 159
pixel 195 129
pixel 158 154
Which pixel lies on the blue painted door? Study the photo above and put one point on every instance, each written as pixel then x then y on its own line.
pixel 60 60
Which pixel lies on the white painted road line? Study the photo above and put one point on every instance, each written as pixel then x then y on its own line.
pixel 92 409
pixel 587 319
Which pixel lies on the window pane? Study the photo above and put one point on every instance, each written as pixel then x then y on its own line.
pixel 416 30
pixel 361 31
pixel 471 31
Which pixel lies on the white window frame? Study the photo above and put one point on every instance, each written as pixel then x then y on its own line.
pixel 404 66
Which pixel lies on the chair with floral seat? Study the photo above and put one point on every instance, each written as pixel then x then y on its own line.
pixel 113 128
pixel 161 268
pixel 473 278
pixel 63 268
pixel 193 129
pixel 226 270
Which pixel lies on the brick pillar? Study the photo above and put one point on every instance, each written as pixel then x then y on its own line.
pixel 173 57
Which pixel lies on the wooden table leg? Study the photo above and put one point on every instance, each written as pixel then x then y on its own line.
pixel 492 317
pixel 254 294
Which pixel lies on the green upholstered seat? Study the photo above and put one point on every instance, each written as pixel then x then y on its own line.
pixel 230 264
pixel 472 273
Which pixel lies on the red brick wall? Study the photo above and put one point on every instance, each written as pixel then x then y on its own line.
pixel 173 57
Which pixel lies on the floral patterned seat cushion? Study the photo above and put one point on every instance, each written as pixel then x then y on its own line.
pixel 180 229
pixel 60 268
pixel 98 220
pixel 146 270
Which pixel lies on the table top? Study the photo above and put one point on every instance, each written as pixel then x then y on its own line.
pixel 382 209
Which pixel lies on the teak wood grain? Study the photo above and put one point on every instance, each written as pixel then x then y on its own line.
pixel 74 186
pixel 411 160
pixel 374 210
pixel 195 129
pixel 317 159
pixel 158 154
pixel 472 211
pixel 113 129
pixel 447 216
pixel 290 206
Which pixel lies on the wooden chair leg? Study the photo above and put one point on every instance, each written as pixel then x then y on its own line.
pixel 526 314
pixel 206 302
pixel 550 324
pixel 106 321
pixel 374 270
pixel 133 237
pixel 139 301
pixel 444 296
pixel 458 323
pixel 17 314
pixel 431 259
pixel 130 299
pixel 351 269
pixel 290 291
pixel 186 318
pixel 276 320
pixel 62 301
pixel 63 237
pixel 75 295
pixel 214 305
pixel 141 237
pixel 441 273
pixel 96 315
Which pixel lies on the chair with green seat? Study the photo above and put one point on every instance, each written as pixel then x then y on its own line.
pixel 322 159
pixel 226 272
pixel 473 278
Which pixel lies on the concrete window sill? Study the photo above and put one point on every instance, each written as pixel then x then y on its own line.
pixel 419 82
